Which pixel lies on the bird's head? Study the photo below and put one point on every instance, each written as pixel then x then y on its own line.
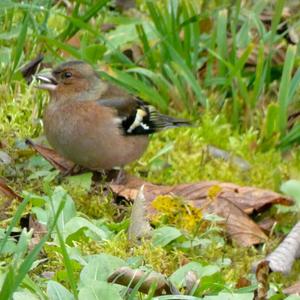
pixel 75 80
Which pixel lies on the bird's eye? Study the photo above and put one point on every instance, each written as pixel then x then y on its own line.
pixel 67 75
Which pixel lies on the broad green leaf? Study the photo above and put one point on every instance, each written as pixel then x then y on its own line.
pixel 78 223
pixel 56 291
pixel 93 53
pixel 292 297
pixel 69 210
pixel 176 297
pixel 165 235
pixel 211 284
pixel 178 276
pixel 230 296
pixel 24 295
pixel 99 290
pixel 99 267
pixel 126 33
pixel 195 242
pixel 292 189
pixel 83 180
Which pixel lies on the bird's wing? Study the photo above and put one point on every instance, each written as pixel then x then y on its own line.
pixel 138 117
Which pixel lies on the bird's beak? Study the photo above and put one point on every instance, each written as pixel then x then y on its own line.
pixel 47 81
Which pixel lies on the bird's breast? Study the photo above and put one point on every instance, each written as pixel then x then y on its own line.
pixel 89 135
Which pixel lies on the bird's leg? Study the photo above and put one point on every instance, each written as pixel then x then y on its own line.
pixel 120 176
pixel 71 171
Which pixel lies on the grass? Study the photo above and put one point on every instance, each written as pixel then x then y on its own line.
pixel 186 67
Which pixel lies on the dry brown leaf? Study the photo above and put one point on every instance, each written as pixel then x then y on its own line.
pixel 191 282
pixel 31 68
pixel 233 203
pixel 63 165
pixel 5 159
pixel 9 194
pixel 7 191
pixel 293 289
pixel 267 224
pixel 242 282
pixel 39 230
pixel 74 42
pixel 131 277
pixel 139 224
pixel 106 27
pixel 248 199
pixel 283 257
pixel 122 5
pixel 262 277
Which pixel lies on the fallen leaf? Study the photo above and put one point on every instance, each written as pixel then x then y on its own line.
pixel 242 282
pixel 130 278
pixel 262 277
pixel 63 165
pixel 106 27
pixel 7 191
pixel 293 289
pixel 122 5
pixel 249 199
pixel 30 68
pixel 191 282
pixel 9 194
pixel 283 257
pixel 139 224
pixel 39 230
pixel 267 224
pixel 74 42
pixel 5 159
pixel 232 202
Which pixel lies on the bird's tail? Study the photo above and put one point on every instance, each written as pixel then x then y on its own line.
pixel 161 121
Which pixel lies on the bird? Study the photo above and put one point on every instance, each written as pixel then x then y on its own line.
pixel 94 123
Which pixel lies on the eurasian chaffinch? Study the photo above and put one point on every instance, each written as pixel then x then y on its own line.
pixel 94 123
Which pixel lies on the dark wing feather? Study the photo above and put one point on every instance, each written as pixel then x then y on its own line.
pixel 138 117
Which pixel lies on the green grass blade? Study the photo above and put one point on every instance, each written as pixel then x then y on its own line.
pixel 295 83
pixel 67 263
pixel 284 89
pixel 275 22
pixel 143 90
pixel 175 79
pixel 14 222
pixel 156 17
pixel 8 283
pixel 290 138
pixel 20 42
pixel 72 29
pixel 234 28
pixel 147 49
pixel 259 76
pixel 29 260
pixel 135 290
pixel 160 81
pixel 187 73
pixel 271 121
pixel 18 275
pixel 61 46
pixel 222 48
